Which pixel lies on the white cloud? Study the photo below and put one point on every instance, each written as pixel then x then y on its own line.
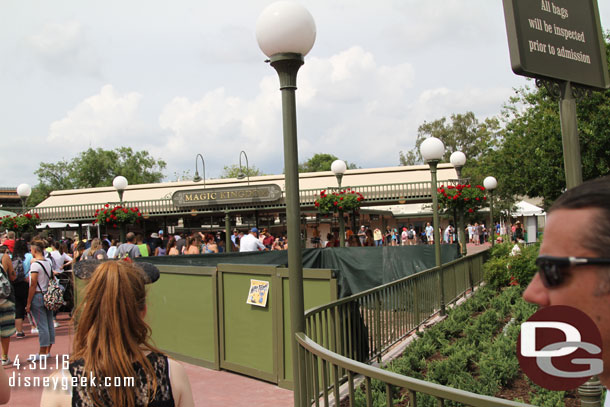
pixel 64 49
pixel 103 120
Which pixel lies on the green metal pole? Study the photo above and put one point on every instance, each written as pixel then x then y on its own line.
pixel 228 233
pixel 491 217
pixel 341 219
pixel 569 135
pixel 437 237
pixel 462 234
pixel 287 65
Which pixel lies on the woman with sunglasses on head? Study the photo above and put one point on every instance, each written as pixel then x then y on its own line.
pixel 112 340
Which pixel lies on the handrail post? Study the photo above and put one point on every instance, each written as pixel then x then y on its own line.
pixel 377 324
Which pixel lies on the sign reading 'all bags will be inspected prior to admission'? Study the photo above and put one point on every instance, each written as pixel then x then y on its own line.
pixel 557 39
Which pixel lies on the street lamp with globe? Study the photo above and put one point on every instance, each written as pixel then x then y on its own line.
pixel 286 32
pixel 490 183
pixel 338 167
pixel 458 159
pixel 432 150
pixel 24 191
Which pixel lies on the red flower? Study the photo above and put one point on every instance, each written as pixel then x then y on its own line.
pixel 317 204
pixel 125 211
pixel 358 199
pixel 466 199
pixel 323 191
pixel 335 203
pixel 108 220
pixel 139 214
pixel 114 225
pixel 485 198
pixel 27 215
pixel 37 217
pixel 340 207
pixel 353 192
pixel 94 222
pixel 477 199
pixel 341 198
pixel 107 206
pixel 470 210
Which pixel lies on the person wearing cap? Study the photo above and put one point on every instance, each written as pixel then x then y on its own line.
pixel 251 243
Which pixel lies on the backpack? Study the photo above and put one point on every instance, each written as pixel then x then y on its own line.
pixel 5 285
pixel 411 234
pixel 19 270
pixel 53 298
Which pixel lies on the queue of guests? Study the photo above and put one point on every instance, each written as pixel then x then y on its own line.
pixel 112 339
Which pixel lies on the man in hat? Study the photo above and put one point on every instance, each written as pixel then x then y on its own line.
pixel 251 242
pixel 362 235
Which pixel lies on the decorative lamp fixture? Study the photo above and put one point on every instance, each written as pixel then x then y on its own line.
pixel 432 149
pixel 197 178
pixel 338 167
pixel 458 159
pixel 241 174
pixel 286 32
pixel 120 184
pixel 490 183
pixel 24 191
pixel 285 26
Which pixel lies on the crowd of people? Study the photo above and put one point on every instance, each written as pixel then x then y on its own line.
pixel 104 346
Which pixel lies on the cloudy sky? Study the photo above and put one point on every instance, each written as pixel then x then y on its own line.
pixel 185 77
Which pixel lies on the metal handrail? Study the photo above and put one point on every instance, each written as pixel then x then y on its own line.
pixel 311 353
pixel 378 318
pixel 340 336
pixel 374 194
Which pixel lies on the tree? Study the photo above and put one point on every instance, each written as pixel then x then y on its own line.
pixel 321 162
pixel 462 132
pixel 232 171
pixel 96 168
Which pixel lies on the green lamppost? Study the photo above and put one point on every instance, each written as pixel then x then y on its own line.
pixel 243 174
pixel 120 183
pixel 24 191
pixel 458 159
pixel 432 150
pixel 338 167
pixel 197 178
pixel 286 32
pixel 490 183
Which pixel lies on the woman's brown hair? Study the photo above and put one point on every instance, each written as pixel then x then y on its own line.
pixel 111 334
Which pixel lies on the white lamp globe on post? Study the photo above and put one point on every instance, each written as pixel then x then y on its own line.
pixel 338 167
pixel 458 159
pixel 286 32
pixel 120 183
pixel 490 183
pixel 432 150
pixel 24 191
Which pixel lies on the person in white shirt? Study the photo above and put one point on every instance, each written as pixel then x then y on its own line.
pixel 251 242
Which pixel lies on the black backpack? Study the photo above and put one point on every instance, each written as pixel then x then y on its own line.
pixel 19 270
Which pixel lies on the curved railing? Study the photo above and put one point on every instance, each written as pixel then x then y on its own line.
pixel 341 337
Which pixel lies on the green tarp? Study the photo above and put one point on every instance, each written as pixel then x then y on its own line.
pixel 358 268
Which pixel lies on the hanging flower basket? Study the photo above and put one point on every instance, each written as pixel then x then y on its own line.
pixel 20 223
pixel 345 200
pixel 116 216
pixel 460 197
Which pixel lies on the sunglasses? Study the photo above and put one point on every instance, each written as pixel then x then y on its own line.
pixel 553 270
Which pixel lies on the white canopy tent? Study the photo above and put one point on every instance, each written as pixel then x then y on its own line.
pixel 530 214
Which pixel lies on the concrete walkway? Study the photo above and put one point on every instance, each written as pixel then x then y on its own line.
pixel 210 388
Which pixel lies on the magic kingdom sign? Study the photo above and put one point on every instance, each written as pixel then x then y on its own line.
pixel 226 196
